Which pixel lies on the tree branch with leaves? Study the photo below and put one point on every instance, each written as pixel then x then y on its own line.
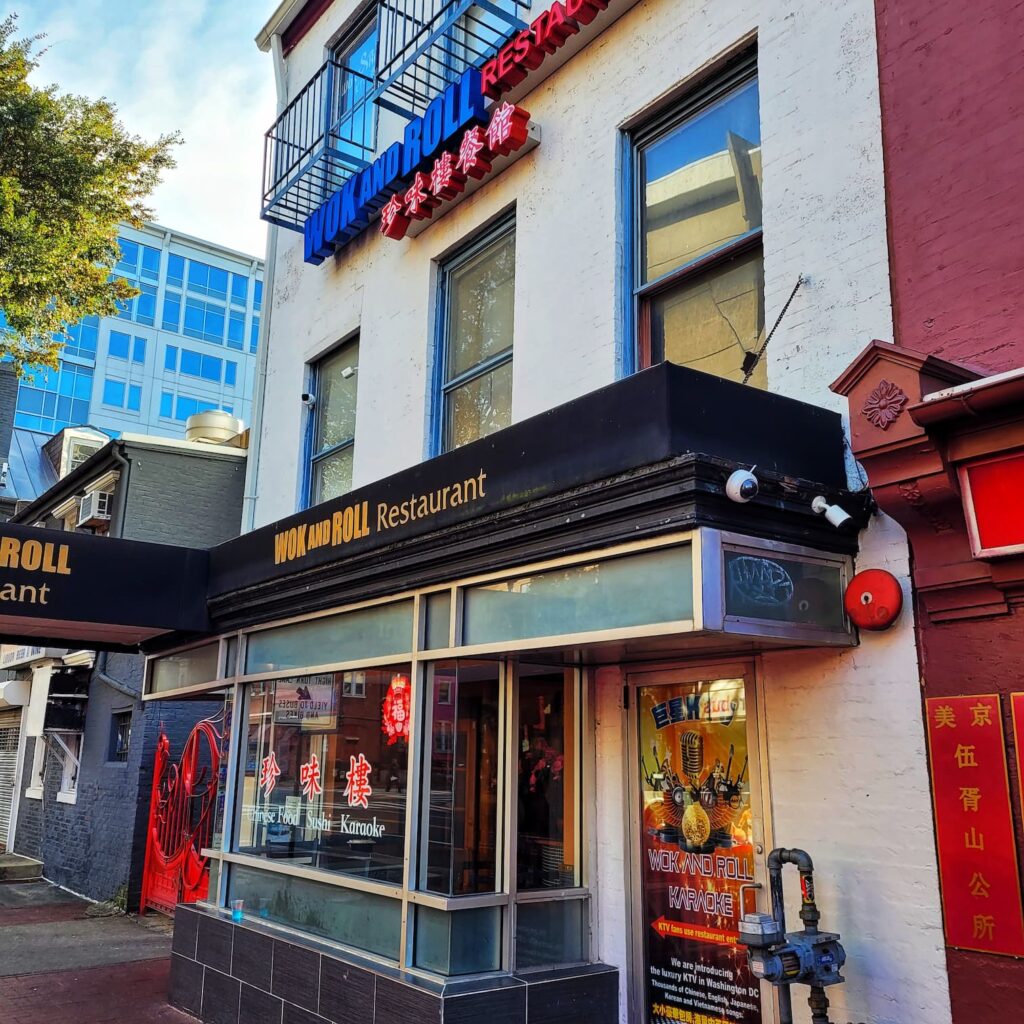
pixel 70 173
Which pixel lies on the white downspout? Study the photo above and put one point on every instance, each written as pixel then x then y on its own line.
pixel 260 384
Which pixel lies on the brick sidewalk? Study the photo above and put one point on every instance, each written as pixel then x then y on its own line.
pixel 128 993
pixel 58 965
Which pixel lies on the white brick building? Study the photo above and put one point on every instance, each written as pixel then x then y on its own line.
pixel 695 161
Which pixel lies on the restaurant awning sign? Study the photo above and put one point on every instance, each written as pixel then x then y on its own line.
pixel 79 588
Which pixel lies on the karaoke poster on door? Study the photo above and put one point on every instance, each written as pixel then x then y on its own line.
pixel 696 849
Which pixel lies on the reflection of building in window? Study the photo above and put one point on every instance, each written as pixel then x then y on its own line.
pixel 477 311
pixel 444 738
pixel 546 782
pixel 700 275
pixel 354 684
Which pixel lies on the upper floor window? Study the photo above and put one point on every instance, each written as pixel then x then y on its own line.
pixel 333 424
pixel 477 306
pixel 206 280
pixel 83 339
pixel 355 115
pixel 699 284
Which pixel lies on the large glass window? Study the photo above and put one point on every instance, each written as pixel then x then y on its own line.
pixel 204 320
pixel 355 114
pixel 333 424
pixel 83 338
pixel 478 302
pixel 325 774
pixel 547 772
pixel 49 400
pixel 459 826
pixel 700 274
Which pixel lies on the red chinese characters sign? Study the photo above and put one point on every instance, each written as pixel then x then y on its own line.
pixel 973 824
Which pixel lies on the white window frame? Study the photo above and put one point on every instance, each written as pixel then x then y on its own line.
pixel 37 776
pixel 69 754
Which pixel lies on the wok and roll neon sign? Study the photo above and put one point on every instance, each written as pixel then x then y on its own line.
pixel 416 175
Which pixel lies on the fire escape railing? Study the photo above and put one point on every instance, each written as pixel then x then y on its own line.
pixel 322 138
pixel 328 131
pixel 426 44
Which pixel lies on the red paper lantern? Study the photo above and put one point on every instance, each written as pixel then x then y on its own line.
pixel 873 599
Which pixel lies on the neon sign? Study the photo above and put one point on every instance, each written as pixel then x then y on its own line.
pixel 347 213
pixel 526 51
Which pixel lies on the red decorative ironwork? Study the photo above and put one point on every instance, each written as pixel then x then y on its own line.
pixel 181 818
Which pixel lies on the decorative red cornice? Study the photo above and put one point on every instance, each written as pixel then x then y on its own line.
pixel 912 418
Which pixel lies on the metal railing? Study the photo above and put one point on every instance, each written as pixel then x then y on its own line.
pixel 427 44
pixel 322 138
pixel 328 131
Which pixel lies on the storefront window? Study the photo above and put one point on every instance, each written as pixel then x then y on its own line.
pixel 359 919
pixel 700 269
pixel 460 806
pixel 460 941
pixel 547 774
pixel 323 780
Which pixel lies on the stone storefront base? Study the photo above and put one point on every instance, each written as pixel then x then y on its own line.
pixel 226 973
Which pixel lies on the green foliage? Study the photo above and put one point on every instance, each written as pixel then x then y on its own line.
pixel 69 173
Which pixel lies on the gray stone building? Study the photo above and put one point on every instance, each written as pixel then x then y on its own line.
pixel 84 742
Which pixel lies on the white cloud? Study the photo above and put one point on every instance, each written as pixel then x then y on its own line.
pixel 176 65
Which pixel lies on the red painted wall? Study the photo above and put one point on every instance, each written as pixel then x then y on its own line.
pixel 952 91
pixel 981 656
pixel 952 88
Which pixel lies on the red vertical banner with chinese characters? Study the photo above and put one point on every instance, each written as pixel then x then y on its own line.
pixel 974 825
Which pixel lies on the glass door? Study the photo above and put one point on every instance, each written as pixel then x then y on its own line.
pixel 699 843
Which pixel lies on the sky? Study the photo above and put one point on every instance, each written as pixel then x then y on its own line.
pixel 167 65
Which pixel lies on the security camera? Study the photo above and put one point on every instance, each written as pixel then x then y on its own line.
pixel 308 399
pixel 837 516
pixel 349 371
pixel 742 485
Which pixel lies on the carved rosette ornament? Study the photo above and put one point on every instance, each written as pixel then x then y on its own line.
pixel 884 405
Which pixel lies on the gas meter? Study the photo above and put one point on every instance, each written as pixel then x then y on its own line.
pixel 808 957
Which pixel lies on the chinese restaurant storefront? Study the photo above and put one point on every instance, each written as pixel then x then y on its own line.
pixel 487 709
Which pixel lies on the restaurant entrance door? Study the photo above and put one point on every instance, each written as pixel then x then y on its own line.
pixel 699 844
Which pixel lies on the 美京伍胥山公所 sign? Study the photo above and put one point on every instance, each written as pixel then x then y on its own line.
pixel 977 848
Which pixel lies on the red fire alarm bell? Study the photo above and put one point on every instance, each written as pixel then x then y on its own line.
pixel 874 599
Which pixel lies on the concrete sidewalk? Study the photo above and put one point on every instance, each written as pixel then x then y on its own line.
pixel 59 964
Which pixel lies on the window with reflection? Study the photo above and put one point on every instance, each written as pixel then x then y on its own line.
pixel 478 303
pixel 462 777
pixel 324 772
pixel 333 423
pixel 700 274
pixel 546 780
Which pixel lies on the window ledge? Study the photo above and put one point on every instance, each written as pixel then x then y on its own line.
pixel 34 793
pixel 67 798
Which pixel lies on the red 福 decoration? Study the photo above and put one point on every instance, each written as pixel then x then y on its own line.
pixel 395 713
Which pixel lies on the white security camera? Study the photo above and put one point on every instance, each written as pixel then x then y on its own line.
pixel 308 399
pixel 348 371
pixel 836 515
pixel 742 485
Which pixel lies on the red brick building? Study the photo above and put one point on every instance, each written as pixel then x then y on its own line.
pixel 942 409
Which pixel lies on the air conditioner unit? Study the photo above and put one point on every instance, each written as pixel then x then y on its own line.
pixel 95 508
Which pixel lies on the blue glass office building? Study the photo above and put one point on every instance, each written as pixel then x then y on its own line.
pixel 185 344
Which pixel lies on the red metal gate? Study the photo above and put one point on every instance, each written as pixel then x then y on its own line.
pixel 181 818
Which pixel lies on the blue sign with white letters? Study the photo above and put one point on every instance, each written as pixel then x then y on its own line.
pixel 347 213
